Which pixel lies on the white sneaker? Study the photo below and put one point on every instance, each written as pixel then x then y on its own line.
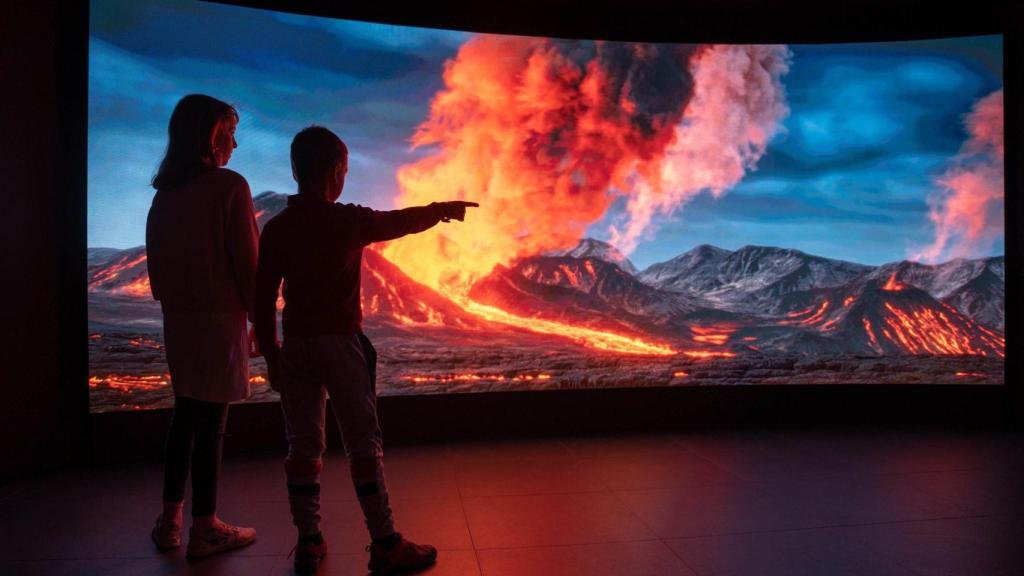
pixel 220 537
pixel 166 535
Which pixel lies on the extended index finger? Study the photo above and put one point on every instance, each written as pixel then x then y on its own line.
pixel 469 204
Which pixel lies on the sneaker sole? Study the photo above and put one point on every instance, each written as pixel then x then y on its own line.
pixel 383 571
pixel 193 556
pixel 163 547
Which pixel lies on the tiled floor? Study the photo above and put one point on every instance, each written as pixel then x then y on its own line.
pixel 706 504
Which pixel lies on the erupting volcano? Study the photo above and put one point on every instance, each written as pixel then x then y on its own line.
pixel 708 316
pixel 557 139
pixel 546 134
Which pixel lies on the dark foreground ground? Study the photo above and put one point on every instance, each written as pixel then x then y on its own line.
pixel 754 503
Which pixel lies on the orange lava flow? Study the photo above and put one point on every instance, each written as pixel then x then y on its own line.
pixel 817 316
pixel 971 374
pixel 112 272
pixel 570 276
pixel 799 313
pixel 871 336
pixel 923 331
pixel 599 339
pixel 708 354
pixel 715 335
pixel 830 324
pixel 141 342
pixel 893 285
pixel 680 374
pixel 139 288
pixel 846 302
pixel 471 377
pixel 130 382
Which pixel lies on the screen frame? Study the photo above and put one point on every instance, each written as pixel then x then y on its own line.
pixel 448 417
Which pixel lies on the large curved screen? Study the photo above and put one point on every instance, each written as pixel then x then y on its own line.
pixel 650 214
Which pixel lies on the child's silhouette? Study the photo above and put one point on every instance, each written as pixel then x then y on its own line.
pixel 315 246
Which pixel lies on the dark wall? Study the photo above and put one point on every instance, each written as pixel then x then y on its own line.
pixel 30 424
pixel 42 424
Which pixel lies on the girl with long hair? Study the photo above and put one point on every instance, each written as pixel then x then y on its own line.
pixel 201 245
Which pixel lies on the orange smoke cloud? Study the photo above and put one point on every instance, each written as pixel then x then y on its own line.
pixel 539 132
pixel 737 106
pixel 967 209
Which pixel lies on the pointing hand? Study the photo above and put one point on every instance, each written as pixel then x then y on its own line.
pixel 456 210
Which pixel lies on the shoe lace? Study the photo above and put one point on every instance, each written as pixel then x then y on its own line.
pixel 294 548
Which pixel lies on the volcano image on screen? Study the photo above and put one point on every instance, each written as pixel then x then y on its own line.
pixel 650 214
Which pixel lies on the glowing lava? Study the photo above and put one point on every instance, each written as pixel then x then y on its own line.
pixel 816 315
pixel 872 339
pixel 715 335
pixel 924 331
pixel 473 377
pixel 601 340
pixel 546 134
pixel 708 354
pixel 130 382
pixel 893 285
pixel 142 342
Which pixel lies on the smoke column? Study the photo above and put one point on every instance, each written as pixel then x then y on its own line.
pixel 967 208
pixel 546 134
pixel 738 105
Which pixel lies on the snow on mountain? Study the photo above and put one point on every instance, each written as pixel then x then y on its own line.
pixel 748 279
pixel 98 256
pixel 591 248
pixel 694 271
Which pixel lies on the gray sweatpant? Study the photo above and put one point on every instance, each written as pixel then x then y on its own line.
pixel 343 366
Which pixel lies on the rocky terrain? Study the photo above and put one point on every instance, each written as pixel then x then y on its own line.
pixel 753 316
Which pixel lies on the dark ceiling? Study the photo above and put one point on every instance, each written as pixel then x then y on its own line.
pixel 680 20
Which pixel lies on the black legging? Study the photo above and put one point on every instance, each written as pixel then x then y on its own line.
pixel 196 437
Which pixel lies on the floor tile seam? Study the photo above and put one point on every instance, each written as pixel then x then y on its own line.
pixel 469 530
pixel 466 497
pixel 154 556
pixel 744 483
pixel 776 489
pixel 676 553
pixel 569 545
pixel 814 554
pixel 935 471
pixel 635 514
pixel 825 527
pixel 522 494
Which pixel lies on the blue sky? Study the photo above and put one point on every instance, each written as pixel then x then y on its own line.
pixel 870 125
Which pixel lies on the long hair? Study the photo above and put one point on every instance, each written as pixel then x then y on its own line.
pixel 188 139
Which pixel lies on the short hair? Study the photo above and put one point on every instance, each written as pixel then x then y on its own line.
pixel 315 152
pixel 188 139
